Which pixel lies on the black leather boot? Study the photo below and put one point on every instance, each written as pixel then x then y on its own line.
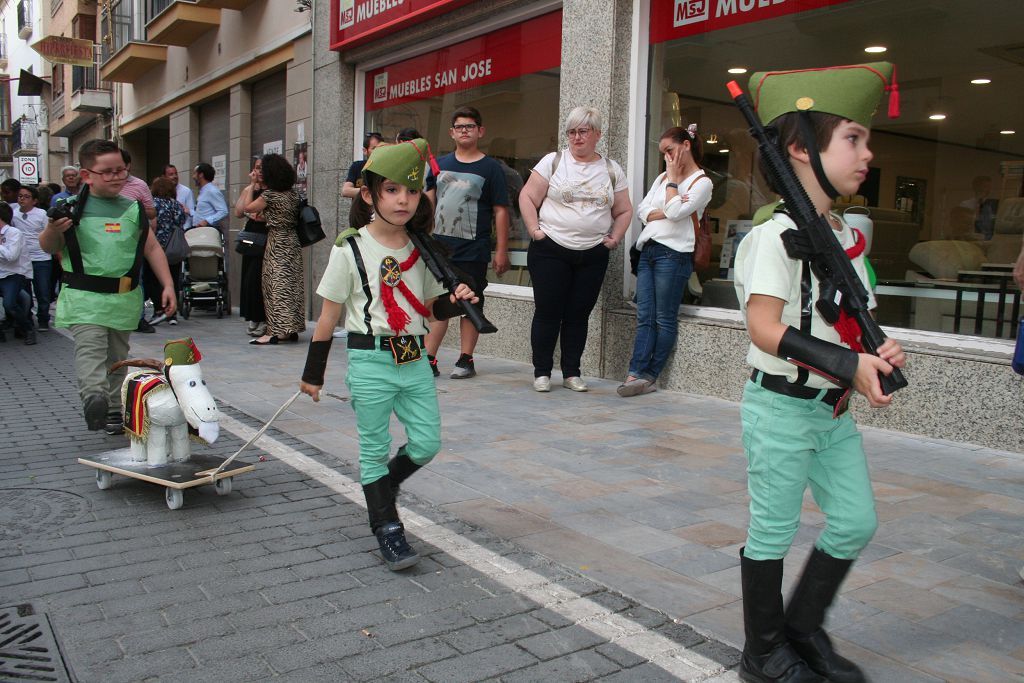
pixel 380 507
pixel 806 613
pixel 767 655
pixel 400 468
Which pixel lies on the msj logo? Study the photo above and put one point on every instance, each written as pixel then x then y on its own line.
pixel 380 87
pixel 690 12
pixel 348 13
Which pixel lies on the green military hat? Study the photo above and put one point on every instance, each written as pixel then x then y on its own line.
pixel 851 91
pixel 181 352
pixel 402 163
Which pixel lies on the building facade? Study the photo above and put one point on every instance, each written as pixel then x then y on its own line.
pixel 24 143
pixel 944 192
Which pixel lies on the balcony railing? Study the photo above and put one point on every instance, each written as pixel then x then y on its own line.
pixel 118 28
pixel 3 50
pixel 25 135
pixel 86 78
pixel 155 7
pixel 25 18
pixel 5 149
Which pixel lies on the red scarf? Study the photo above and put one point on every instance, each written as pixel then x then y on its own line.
pixel 398 319
pixel 847 327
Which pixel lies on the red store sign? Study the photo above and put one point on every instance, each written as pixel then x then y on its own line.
pixel 671 19
pixel 354 22
pixel 525 48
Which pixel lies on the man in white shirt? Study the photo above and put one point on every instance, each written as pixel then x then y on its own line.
pixel 184 193
pixel 15 268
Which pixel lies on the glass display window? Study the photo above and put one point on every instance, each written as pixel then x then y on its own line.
pixel 510 75
pixel 945 194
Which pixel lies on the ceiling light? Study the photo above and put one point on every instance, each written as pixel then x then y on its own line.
pixel 875 49
pixel 723 151
pixel 737 70
pixel 981 81
pixel 713 139
pixel 1007 132
pixel 937 117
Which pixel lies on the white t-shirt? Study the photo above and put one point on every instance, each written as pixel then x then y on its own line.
pixel 31 224
pixel 13 255
pixel 764 267
pixel 341 284
pixel 675 230
pixel 577 211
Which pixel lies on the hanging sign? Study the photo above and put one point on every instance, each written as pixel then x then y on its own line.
pixel 354 22
pixel 671 19
pixel 61 50
pixel 525 48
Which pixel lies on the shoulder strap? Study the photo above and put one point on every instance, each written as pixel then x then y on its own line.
pixel 555 161
pixel 364 279
pixel 702 175
pixel 345 234
pixel 611 172
pixel 693 216
pixel 140 247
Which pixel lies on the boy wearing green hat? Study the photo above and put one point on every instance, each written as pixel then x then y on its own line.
pixel 796 429
pixel 387 293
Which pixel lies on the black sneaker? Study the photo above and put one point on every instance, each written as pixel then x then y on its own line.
pixel 115 424
pixel 144 326
pixel 433 365
pixel 394 548
pixel 95 410
pixel 3 337
pixel 464 368
pixel 44 324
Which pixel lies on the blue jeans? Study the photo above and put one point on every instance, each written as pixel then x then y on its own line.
pixel 660 279
pixel 10 290
pixel 42 284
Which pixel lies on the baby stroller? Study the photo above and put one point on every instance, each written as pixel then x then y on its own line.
pixel 204 282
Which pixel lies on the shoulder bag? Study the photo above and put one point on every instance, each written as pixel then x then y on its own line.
pixel 308 225
pixel 177 248
pixel 701 235
pixel 250 243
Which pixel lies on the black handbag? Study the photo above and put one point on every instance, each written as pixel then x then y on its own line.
pixel 250 243
pixel 308 225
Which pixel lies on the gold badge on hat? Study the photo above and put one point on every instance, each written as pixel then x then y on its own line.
pixel 414 175
pixel 804 103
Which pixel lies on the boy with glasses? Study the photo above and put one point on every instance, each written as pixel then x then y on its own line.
pixel 101 299
pixel 471 191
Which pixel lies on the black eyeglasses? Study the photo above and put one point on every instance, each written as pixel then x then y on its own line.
pixel 464 127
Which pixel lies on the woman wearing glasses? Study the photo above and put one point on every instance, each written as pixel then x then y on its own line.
pixel 576 208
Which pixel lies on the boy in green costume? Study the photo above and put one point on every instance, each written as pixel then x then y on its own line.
pixel 101 299
pixel 796 430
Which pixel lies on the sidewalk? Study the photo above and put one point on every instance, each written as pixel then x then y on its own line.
pixel 643 496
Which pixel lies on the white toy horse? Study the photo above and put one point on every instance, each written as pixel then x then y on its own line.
pixel 166 404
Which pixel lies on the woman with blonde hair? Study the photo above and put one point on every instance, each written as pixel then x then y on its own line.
pixel 576 209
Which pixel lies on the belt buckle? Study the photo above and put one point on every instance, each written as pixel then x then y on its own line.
pixel 405 349
pixel 124 284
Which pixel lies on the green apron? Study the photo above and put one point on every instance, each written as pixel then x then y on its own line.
pixel 108 249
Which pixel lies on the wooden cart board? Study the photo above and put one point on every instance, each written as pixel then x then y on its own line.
pixel 175 477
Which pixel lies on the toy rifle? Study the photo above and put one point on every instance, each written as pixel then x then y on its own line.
pixel 441 268
pixel 840 288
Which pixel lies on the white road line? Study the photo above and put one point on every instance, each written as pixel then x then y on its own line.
pixel 596 618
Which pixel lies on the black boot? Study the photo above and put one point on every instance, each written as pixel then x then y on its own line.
pixel 380 506
pixel 95 409
pixel 806 613
pixel 767 655
pixel 400 468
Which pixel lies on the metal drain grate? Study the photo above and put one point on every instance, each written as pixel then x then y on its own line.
pixel 28 650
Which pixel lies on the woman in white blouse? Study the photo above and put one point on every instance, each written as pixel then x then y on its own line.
pixel 576 209
pixel 669 212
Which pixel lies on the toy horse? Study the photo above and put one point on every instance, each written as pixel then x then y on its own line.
pixel 166 404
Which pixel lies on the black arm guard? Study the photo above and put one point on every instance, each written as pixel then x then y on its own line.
pixel 316 362
pixel 833 362
pixel 444 308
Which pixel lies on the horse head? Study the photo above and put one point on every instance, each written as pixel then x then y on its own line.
pixel 181 367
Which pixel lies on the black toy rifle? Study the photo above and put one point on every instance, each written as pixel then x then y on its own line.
pixel 840 287
pixel 442 270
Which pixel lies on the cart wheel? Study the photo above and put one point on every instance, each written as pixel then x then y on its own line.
pixel 186 308
pixel 103 479
pixel 220 309
pixel 175 498
pixel 223 486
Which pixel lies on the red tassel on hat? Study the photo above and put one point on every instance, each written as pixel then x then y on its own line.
pixel 433 162
pixel 894 96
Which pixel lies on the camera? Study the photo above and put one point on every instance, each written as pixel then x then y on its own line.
pixel 64 208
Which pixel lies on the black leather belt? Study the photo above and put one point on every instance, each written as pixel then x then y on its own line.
pixel 780 385
pixel 368 342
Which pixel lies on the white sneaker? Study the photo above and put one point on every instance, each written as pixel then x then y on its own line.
pixel 574 383
pixel 542 383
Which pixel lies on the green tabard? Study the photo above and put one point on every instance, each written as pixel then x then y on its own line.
pixel 108 235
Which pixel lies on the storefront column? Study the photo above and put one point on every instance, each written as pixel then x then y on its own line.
pixel 596 38
pixel 184 142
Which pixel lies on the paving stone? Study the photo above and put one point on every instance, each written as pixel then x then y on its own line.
pixel 579 666
pixel 478 665
pixel 172 636
pixel 560 642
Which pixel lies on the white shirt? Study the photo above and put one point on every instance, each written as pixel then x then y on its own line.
pixel 675 230
pixel 341 283
pixel 14 258
pixel 31 224
pixel 185 198
pixel 764 267
pixel 577 211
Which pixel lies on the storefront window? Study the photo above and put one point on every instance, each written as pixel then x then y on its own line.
pixel 945 190
pixel 510 75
